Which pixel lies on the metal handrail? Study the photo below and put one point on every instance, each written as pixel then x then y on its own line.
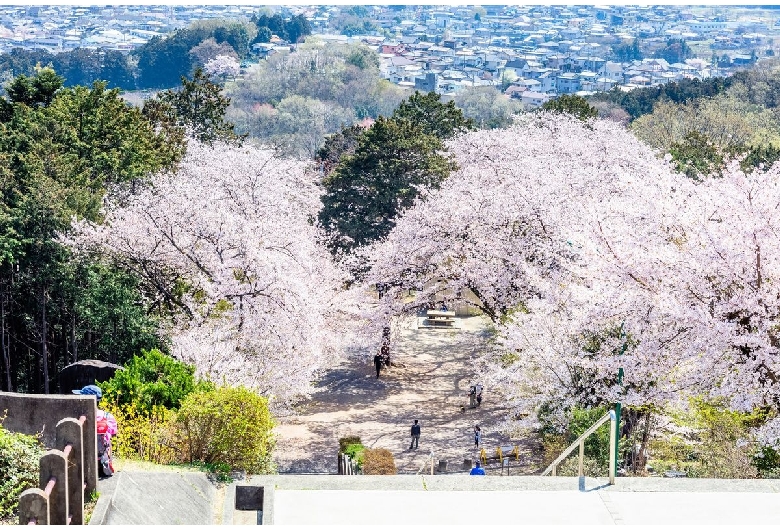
pixel 580 442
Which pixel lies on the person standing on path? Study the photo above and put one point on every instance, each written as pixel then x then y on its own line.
pixel 478 391
pixel 415 435
pixel 477 436
pixel 472 396
pixel 378 364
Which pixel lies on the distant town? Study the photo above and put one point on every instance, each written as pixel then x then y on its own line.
pixel 531 53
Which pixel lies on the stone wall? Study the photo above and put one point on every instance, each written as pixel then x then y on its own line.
pixel 40 413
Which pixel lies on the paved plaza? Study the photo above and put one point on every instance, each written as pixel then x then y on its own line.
pixel 430 384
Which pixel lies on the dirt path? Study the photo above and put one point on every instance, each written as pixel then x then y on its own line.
pixel 430 386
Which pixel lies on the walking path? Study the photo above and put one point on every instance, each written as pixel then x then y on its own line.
pixel 430 385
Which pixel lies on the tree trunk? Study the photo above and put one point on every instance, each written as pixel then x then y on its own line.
pixel 5 346
pixel 44 349
pixel 74 344
pixel 112 355
pixel 641 460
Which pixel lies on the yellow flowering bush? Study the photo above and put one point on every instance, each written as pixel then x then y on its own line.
pixel 151 436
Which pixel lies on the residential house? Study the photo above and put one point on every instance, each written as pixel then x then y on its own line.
pixel 534 99
pixel 568 83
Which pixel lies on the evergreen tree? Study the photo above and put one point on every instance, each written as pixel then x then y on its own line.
pixel 393 162
pixel 199 106
pixel 60 149
pixel 442 120
pixel 572 104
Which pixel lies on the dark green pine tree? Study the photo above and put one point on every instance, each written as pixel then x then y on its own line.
pixel 393 160
pixel 382 175
pixel 574 105
pixel 442 120
pixel 199 106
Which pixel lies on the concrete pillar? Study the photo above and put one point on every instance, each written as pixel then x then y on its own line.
pixel 33 506
pixel 54 465
pixel 90 452
pixel 69 432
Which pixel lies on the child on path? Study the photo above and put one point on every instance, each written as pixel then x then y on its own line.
pixel 106 427
pixel 477 436
pixel 478 469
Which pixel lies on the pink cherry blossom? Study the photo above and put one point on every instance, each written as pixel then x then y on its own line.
pixel 260 294
pixel 589 253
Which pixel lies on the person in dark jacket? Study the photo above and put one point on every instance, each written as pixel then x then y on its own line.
pixel 378 361
pixel 415 435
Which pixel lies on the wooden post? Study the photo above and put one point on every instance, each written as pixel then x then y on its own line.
pixel 69 433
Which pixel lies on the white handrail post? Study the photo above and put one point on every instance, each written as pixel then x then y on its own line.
pixel 582 458
pixel 612 445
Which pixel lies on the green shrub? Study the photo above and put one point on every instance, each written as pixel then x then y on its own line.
pixel 767 462
pixel 230 426
pixel 597 444
pixel 19 468
pixel 151 436
pixel 579 420
pixel 719 445
pixel 721 432
pixel 152 379
pixel 348 440
pixel 355 452
pixel 143 398
pixel 378 462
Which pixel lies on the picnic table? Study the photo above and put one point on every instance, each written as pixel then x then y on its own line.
pixel 440 318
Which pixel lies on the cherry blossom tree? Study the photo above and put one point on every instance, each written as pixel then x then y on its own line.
pixel 522 215
pixel 512 213
pixel 590 254
pixel 732 274
pixel 222 66
pixel 229 240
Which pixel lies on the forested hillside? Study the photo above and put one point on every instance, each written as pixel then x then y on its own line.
pixel 61 150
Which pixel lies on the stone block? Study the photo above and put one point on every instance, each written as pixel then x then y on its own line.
pixel 86 372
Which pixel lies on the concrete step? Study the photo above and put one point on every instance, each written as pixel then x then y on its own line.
pixel 189 498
